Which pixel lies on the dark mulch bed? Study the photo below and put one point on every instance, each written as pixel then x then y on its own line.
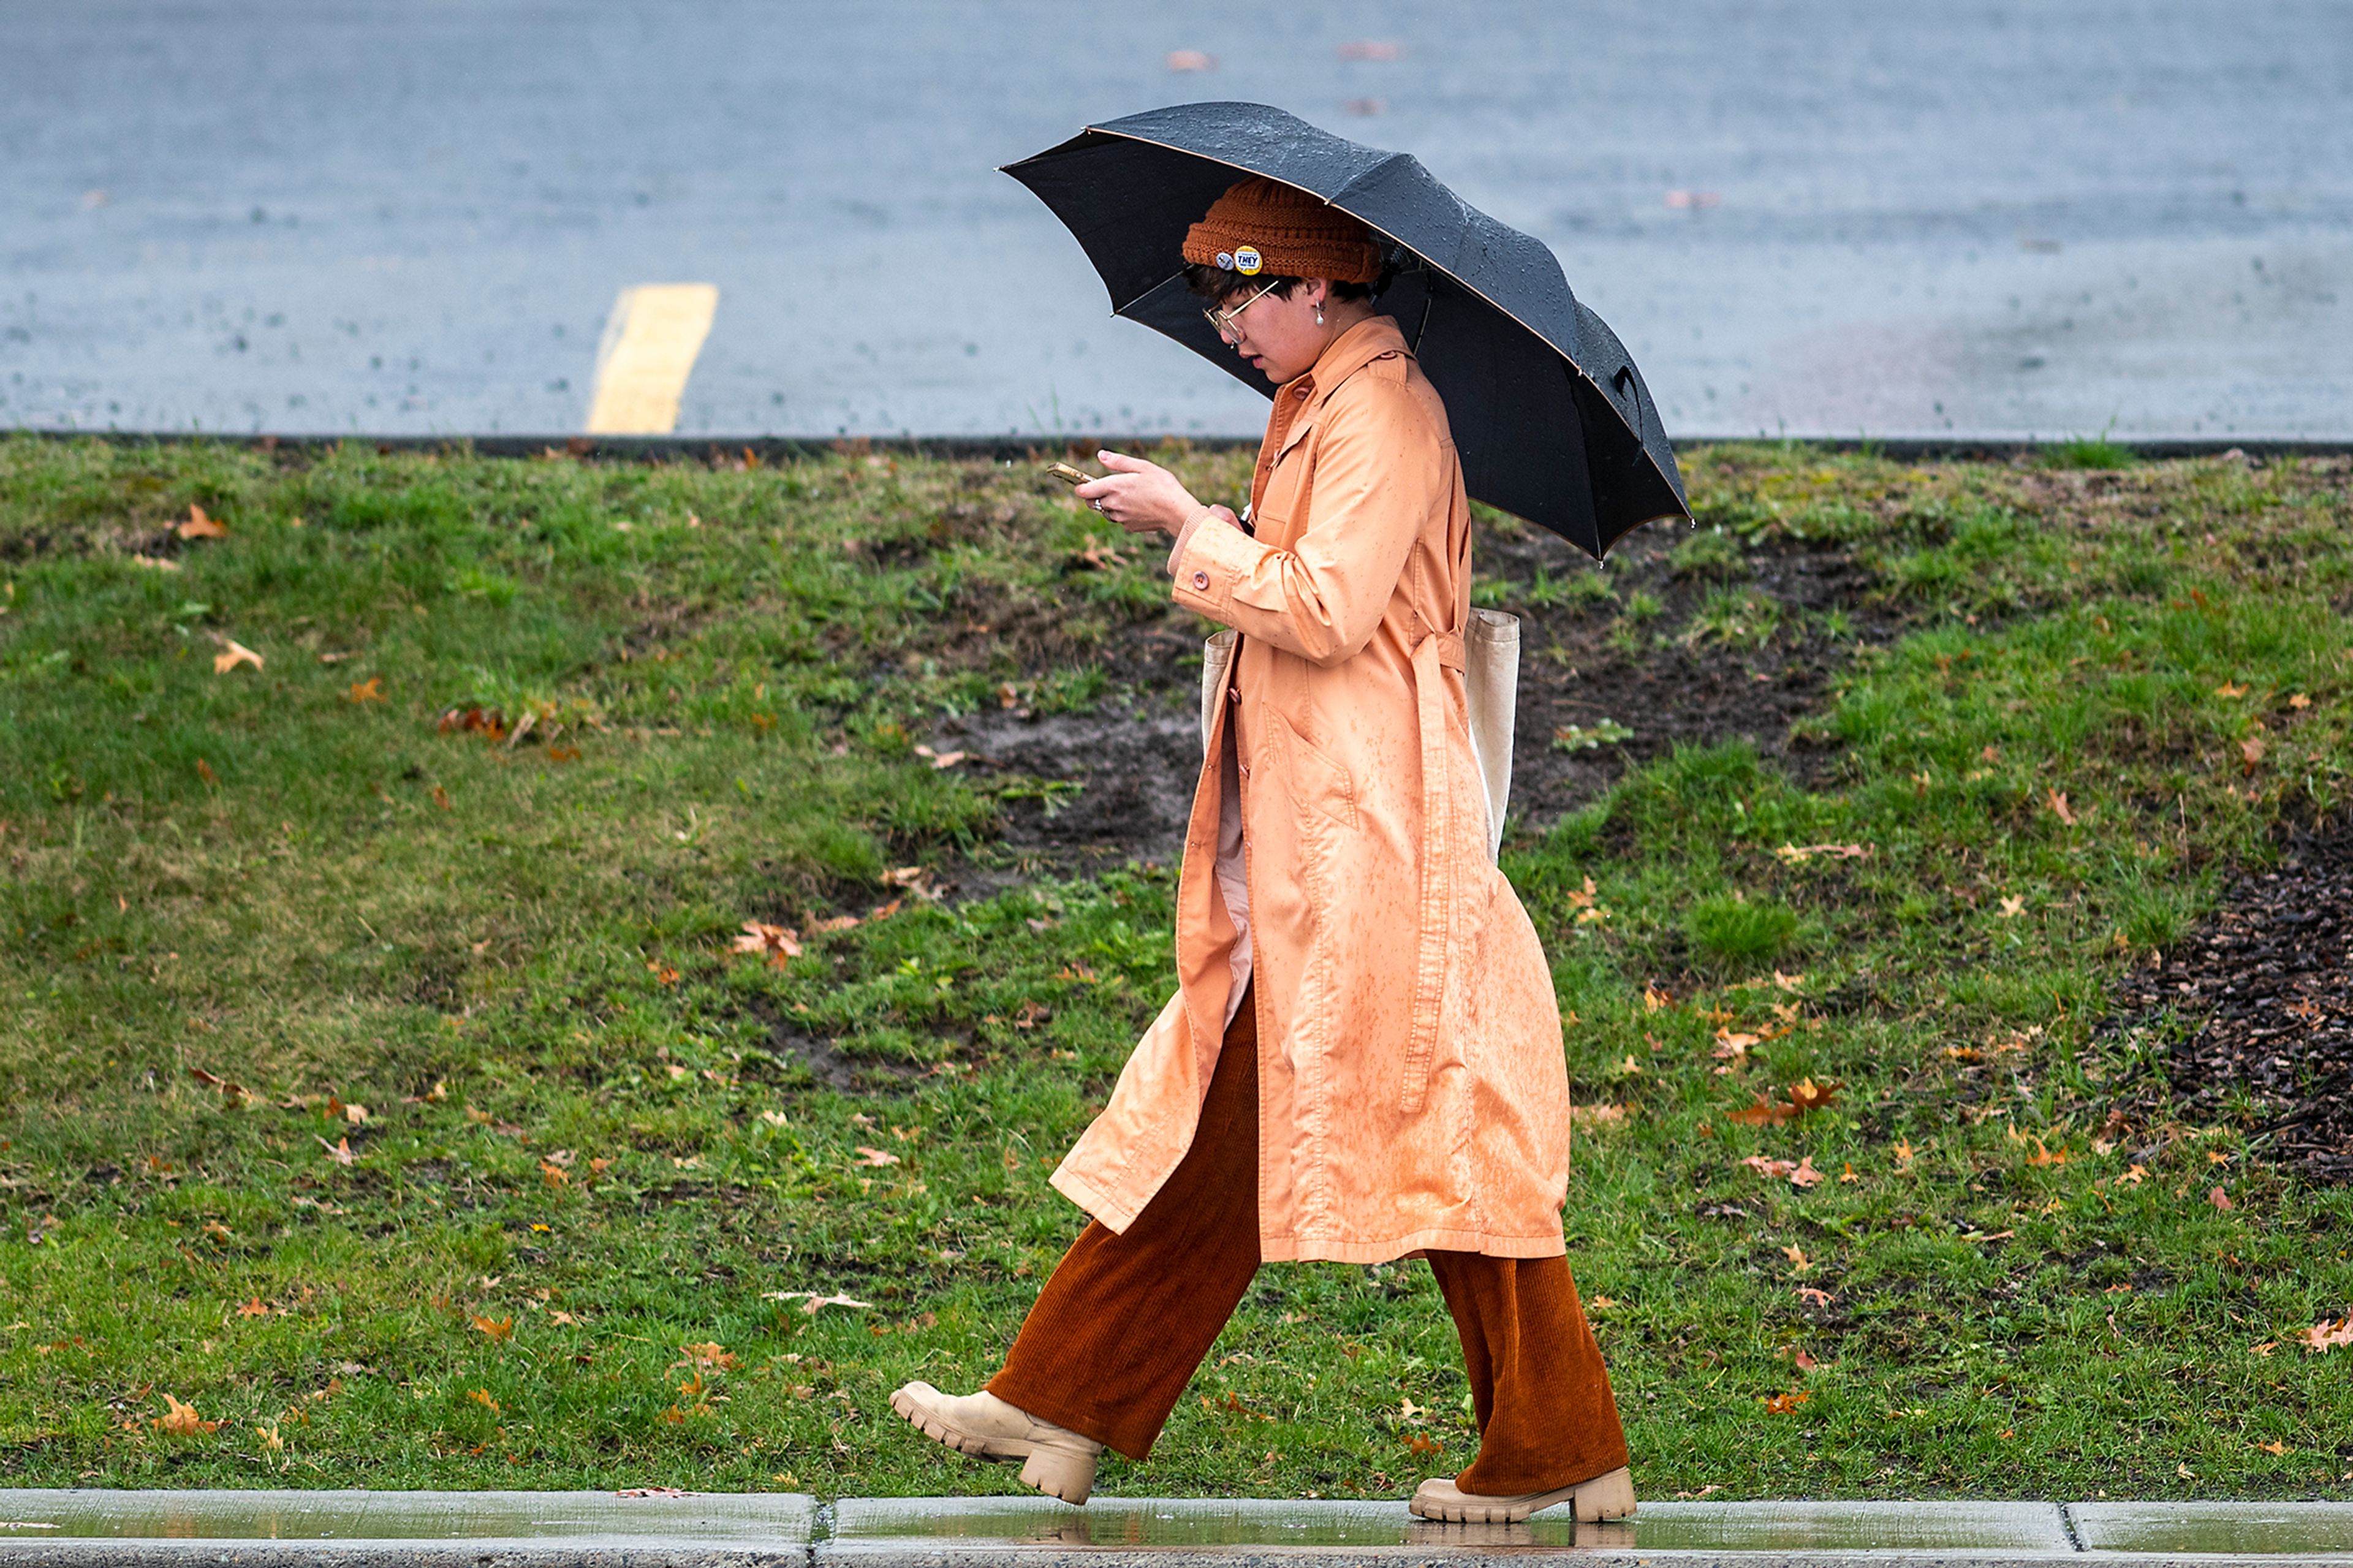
pixel 2263 999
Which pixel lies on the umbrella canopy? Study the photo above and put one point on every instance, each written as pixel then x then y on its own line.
pixel 1550 416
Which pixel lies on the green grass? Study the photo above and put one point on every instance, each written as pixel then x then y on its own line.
pixel 593 1152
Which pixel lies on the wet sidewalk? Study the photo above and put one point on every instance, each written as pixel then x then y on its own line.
pixel 604 1530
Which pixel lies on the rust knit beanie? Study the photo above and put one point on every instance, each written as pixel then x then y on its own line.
pixel 1263 226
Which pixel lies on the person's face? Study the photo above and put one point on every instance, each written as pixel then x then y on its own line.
pixel 1280 337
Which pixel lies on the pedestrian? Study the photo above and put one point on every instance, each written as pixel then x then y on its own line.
pixel 1363 1060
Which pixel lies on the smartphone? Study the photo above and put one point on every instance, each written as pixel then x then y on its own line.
pixel 1069 475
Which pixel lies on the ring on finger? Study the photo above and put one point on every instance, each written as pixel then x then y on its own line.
pixel 1097 504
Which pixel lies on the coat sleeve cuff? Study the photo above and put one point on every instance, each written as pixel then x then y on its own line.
pixel 1210 561
pixel 1184 536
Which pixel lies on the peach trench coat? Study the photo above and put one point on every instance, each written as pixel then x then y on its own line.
pixel 1412 1090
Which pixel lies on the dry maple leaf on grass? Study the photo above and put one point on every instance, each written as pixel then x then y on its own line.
pixel 811 1300
pixel 234 653
pixel 181 1421
pixel 1806 1097
pixel 1799 854
pixel 778 943
pixel 2325 1335
pixel 874 1156
pixel 199 526
pixel 492 1327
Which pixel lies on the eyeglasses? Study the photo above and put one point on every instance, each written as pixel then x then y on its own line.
pixel 1229 323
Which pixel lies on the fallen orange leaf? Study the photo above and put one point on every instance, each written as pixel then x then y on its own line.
pixel 340 1152
pixel 494 1328
pixel 877 1157
pixel 1805 1095
pixel 232 654
pixel 2327 1336
pixel 663 975
pixel 257 1308
pixel 182 1420
pixel 1783 1403
pixel 2058 802
pixel 1794 854
pixel 370 690
pixel 778 943
pixel 199 526
pixel 2220 1200
pixel 1805 1175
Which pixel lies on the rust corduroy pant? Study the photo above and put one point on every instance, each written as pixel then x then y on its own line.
pixel 1119 1330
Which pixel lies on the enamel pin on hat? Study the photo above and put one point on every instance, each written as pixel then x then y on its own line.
pixel 1246 261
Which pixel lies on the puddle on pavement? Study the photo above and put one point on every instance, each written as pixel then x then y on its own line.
pixel 2247 1527
pixel 36 1514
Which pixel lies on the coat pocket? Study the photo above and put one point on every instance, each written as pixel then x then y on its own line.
pixel 1315 782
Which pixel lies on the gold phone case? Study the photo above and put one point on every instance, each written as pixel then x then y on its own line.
pixel 1067 474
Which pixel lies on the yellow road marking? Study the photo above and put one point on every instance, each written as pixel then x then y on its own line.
pixel 650 341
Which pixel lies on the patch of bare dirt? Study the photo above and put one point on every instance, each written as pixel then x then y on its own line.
pixel 1677 651
pixel 2260 1001
pixel 1670 678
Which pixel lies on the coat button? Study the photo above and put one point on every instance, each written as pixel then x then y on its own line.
pixel 1200 582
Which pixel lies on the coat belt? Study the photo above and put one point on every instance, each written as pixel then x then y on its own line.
pixel 1435 651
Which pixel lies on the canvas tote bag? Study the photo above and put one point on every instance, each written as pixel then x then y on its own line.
pixel 1490 681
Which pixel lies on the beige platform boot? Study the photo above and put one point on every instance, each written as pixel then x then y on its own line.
pixel 1609 1495
pixel 1055 1460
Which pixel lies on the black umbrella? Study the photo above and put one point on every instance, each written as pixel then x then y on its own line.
pixel 1550 416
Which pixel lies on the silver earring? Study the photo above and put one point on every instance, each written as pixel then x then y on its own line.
pixel 1319 315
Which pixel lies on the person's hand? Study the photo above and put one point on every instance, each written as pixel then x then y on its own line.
pixel 1141 497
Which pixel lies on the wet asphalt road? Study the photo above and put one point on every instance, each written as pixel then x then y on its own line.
pixel 1988 217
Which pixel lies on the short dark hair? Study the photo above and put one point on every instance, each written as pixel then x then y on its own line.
pixel 1217 284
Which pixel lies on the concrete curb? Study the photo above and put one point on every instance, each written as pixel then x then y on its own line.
pixel 77 1528
pixel 1015 447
